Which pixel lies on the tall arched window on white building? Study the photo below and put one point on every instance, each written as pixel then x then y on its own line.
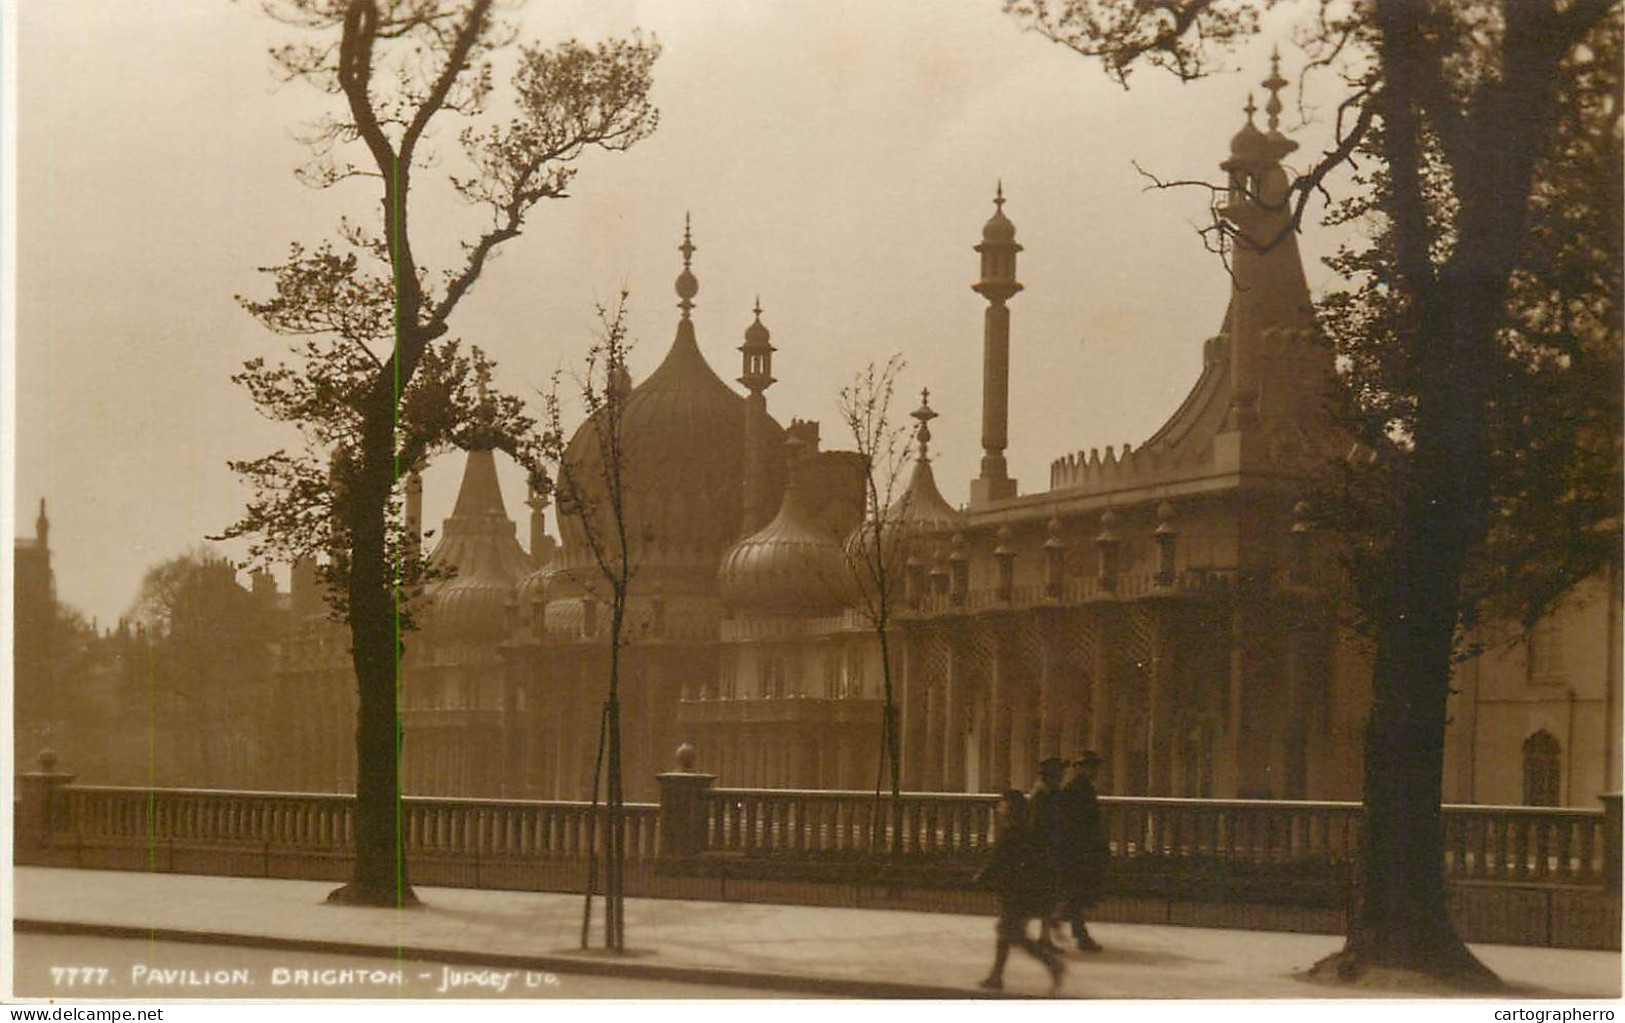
pixel 1542 769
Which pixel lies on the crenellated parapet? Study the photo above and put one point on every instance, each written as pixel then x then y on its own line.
pixel 1125 468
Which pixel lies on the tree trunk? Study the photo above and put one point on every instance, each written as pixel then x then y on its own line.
pixel 380 874
pixel 1402 921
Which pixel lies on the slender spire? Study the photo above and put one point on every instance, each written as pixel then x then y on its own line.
pixel 998 195
pixel 1274 83
pixel 687 285
pixel 923 415
pixel 1250 109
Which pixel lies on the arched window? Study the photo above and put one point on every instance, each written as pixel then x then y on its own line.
pixel 1542 769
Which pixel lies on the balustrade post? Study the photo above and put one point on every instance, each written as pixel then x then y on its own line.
pixel 1611 819
pixel 1005 555
pixel 41 803
pixel 683 794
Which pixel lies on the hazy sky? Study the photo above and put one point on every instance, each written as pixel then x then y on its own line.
pixel 839 159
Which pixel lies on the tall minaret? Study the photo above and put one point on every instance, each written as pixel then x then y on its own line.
pixel 756 373
pixel 998 285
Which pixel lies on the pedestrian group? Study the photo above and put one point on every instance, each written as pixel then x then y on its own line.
pixel 1049 864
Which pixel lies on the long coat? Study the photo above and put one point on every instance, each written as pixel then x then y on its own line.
pixel 1020 873
pixel 1083 853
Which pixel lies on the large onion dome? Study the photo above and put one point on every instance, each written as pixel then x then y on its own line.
pixel 791 565
pixel 683 436
pixel 479 543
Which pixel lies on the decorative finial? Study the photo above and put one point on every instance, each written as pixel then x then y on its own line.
pixel 1275 83
pixel 1251 108
pixel 687 285
pixel 758 309
pixel 923 415
pixel 998 196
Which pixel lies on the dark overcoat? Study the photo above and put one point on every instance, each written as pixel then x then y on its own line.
pixel 1082 851
pixel 1019 873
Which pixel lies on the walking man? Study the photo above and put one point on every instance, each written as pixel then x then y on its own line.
pixel 1024 884
pixel 1048 815
pixel 1083 852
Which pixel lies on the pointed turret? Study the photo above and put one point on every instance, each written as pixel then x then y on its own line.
pixel 478 543
pixel 922 509
pixel 1269 300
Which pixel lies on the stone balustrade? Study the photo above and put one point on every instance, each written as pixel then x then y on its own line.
pixel 323 824
pixel 1482 843
pixel 1192 582
pixel 815 823
pixel 1522 874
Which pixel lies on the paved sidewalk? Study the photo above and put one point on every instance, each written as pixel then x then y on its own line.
pixel 857 952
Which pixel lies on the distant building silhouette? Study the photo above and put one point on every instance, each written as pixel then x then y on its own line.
pixel 33 627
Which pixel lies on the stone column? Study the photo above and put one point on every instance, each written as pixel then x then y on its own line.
pixel 1049 685
pixel 952 716
pixel 999 714
pixel 1159 755
pixel 682 807
pixel 1611 839
pixel 1100 698
pixel 41 804
pixel 931 769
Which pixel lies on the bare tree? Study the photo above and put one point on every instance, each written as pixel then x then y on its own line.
pixel 592 487
pixel 375 386
pixel 874 554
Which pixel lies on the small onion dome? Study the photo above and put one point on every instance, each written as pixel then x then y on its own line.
pixel 998 227
pixel 790 565
pixel 757 333
pixel 532 590
pixel 1249 143
pixel 479 545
